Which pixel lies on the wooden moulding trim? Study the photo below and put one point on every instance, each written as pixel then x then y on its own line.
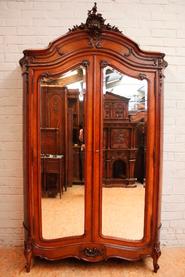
pixel 34 57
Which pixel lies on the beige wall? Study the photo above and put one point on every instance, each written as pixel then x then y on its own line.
pixel 156 25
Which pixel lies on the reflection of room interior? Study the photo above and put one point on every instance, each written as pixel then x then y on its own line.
pixel 62 160
pixel 62 118
pixel 125 116
pixel 61 149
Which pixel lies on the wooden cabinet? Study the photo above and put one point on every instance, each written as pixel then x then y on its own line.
pixel 119 142
pixel 96 100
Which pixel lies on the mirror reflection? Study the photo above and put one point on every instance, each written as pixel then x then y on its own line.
pixel 124 148
pixel 62 123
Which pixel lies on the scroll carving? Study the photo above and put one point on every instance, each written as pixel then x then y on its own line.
pixel 26 60
pixel 160 62
pixel 128 53
pixel 59 51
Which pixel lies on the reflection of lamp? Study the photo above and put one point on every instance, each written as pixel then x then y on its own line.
pixel 81 95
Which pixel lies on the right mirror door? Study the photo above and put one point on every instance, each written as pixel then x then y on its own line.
pixel 124 152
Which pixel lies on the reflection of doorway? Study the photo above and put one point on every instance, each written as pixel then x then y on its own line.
pixel 119 169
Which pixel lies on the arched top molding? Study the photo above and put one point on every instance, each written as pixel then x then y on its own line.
pixel 93 37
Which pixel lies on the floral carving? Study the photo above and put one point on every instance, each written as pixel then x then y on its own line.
pixel 92 252
pixel 95 25
pixel 160 62
pixel 142 76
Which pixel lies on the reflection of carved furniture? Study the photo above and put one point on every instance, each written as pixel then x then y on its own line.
pixel 53 112
pixel 94 45
pixel 49 140
pixel 50 147
pixel 61 110
pixel 119 142
pixel 52 164
pixel 53 127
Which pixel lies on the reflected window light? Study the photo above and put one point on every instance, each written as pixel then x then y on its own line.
pixel 80 86
pixel 68 74
pixel 129 87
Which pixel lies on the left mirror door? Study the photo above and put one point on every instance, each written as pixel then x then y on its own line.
pixel 62 153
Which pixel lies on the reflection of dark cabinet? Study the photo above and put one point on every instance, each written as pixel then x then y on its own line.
pixel 78 165
pixel 73 119
pixel 52 170
pixel 53 115
pixel 115 107
pixel 61 113
pixel 119 142
pixel 53 138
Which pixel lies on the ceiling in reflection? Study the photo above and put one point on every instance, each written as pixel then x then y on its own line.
pixel 123 85
pixel 73 79
pixel 114 82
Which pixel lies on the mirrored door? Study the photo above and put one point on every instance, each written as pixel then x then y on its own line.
pixel 124 127
pixel 62 156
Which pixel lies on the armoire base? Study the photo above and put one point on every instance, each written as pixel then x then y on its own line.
pixel 91 252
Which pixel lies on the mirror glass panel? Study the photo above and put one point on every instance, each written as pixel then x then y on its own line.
pixel 124 148
pixel 62 101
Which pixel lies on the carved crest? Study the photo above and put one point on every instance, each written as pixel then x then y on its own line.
pixel 95 24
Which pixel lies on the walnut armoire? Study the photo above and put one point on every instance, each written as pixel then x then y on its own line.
pixel 90 48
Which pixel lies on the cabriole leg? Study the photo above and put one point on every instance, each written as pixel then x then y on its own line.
pixel 28 255
pixel 156 254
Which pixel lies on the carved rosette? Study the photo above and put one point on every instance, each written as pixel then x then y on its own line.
pixel 95 25
pixel 93 252
pixel 127 54
pixel 85 63
pixel 103 64
pixel 142 76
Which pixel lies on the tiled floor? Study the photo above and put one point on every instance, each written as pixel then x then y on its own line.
pixel 172 264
